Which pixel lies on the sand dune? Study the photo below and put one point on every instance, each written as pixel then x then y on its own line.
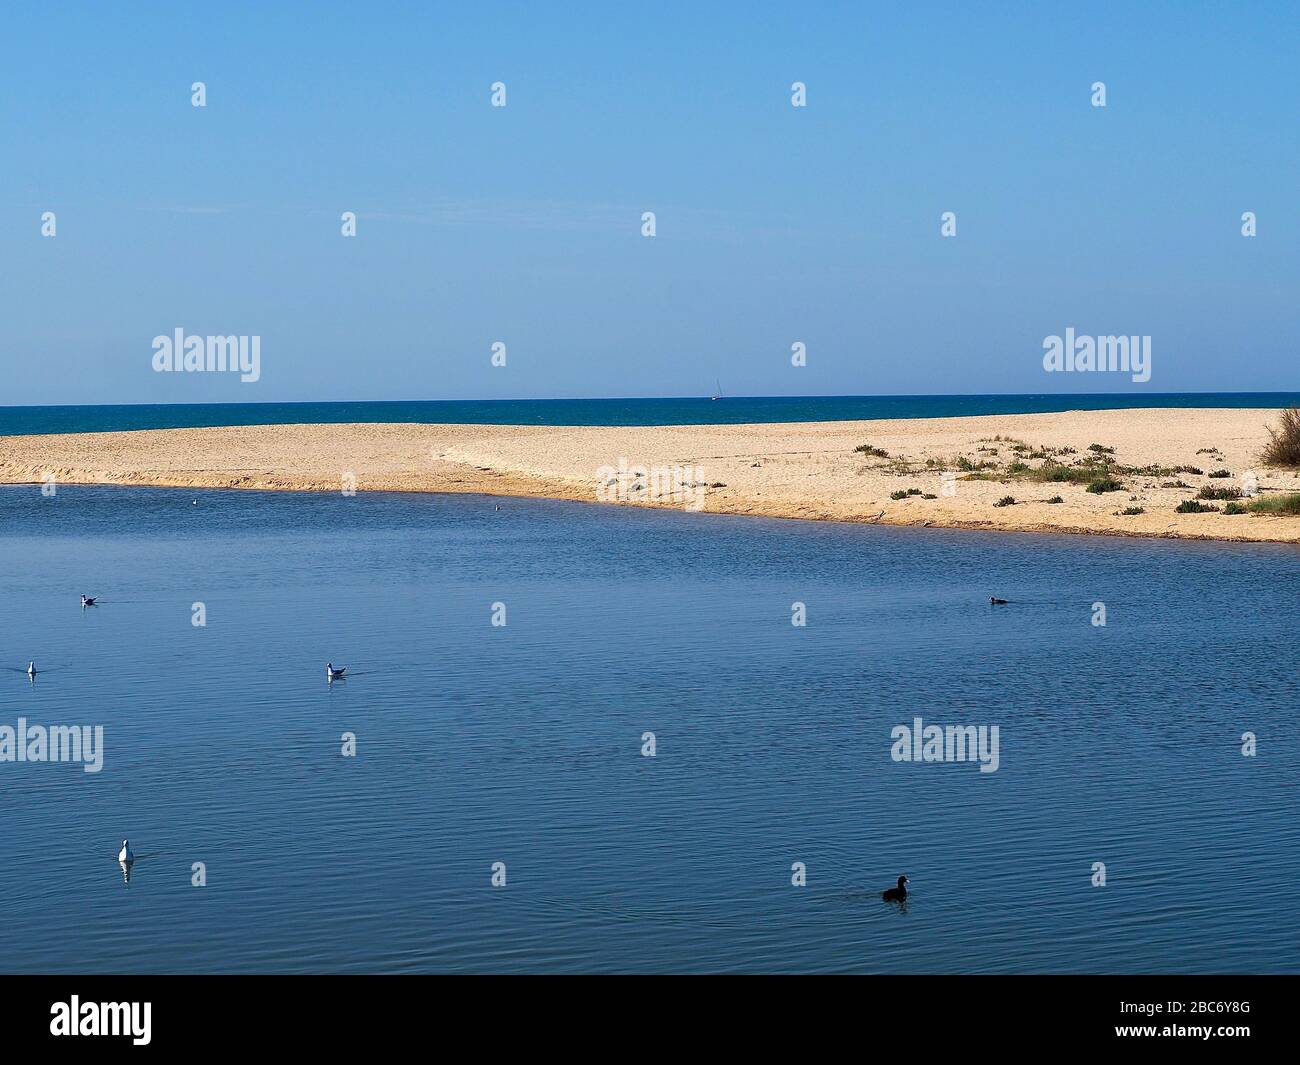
pixel 793 470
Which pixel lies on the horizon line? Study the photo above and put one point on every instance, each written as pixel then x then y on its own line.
pixel 644 399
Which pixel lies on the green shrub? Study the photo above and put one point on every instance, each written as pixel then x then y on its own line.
pixel 1191 506
pixel 1288 505
pixel 867 449
pixel 1055 471
pixel 1105 484
pixel 1006 501
pixel 1210 492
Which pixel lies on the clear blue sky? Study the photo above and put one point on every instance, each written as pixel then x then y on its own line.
pixel 522 224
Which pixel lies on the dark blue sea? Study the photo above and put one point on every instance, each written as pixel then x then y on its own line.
pixel 522 743
pixel 16 421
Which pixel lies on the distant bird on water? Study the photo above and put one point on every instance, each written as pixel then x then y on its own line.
pixel 333 674
pixel 998 602
pixel 896 894
pixel 88 600
pixel 31 669
pixel 126 859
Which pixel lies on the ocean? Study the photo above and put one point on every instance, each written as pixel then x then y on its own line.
pixel 16 421
pixel 518 750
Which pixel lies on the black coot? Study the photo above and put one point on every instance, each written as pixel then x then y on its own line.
pixel 896 894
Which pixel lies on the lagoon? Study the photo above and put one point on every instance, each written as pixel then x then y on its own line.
pixel 522 744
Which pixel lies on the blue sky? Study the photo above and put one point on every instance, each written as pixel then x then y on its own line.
pixel 522 224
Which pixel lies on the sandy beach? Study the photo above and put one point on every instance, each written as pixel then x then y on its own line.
pixel 959 471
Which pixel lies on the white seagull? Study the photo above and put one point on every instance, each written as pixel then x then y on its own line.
pixel 125 859
pixel 333 674
pixel 31 669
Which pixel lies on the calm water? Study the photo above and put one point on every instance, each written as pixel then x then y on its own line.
pixel 739 411
pixel 522 744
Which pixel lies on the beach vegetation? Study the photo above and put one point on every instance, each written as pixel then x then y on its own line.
pixel 1279 505
pixel 900 466
pixel 1220 473
pixel 1130 511
pixel 1192 506
pixel 1105 484
pixel 1055 471
pixel 874 452
pixel 1154 471
pixel 1210 492
pixel 1097 475
pixel 1235 508
pixel 1283 448
pixel 1006 501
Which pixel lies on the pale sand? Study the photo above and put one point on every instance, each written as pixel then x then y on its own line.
pixel 793 470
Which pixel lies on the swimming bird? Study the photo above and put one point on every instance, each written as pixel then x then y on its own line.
pixel 124 855
pixel 88 600
pixel 998 602
pixel 896 894
pixel 333 674
pixel 31 669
